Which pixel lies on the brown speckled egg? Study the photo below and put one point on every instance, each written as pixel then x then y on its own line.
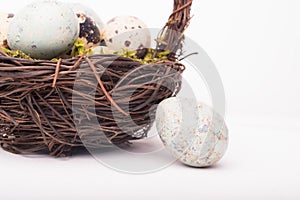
pixel 82 9
pixel 126 32
pixel 89 31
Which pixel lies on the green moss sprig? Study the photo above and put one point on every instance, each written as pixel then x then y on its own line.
pixel 145 56
pixel 16 54
pixel 79 48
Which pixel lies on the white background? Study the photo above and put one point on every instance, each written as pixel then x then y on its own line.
pixel 255 46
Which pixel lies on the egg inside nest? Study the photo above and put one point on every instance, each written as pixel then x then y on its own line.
pixel 126 32
pixel 43 29
pixel 89 35
pixel 89 30
pixel 4 24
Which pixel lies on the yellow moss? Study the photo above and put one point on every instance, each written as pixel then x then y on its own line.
pixel 16 54
pixel 149 58
pixel 79 48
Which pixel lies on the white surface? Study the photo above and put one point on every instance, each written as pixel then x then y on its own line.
pixel 255 46
pixel 262 163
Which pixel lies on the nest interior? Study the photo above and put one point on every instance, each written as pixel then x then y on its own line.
pixel 94 101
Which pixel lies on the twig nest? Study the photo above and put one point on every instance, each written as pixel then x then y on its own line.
pixel 44 29
pixel 126 32
pixel 5 19
pixel 192 131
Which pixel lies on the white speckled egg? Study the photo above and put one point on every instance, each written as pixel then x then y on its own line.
pixel 126 32
pixel 192 131
pixel 44 29
pixel 5 20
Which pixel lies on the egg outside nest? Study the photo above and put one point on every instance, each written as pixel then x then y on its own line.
pixel 193 132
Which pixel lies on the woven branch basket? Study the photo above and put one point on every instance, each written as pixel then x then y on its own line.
pixel 40 111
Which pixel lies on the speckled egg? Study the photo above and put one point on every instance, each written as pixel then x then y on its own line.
pixel 126 32
pixel 81 9
pixel 192 131
pixel 44 29
pixel 5 20
pixel 90 25
pixel 89 31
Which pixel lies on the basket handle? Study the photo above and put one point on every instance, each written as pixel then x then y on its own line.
pixel 172 35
